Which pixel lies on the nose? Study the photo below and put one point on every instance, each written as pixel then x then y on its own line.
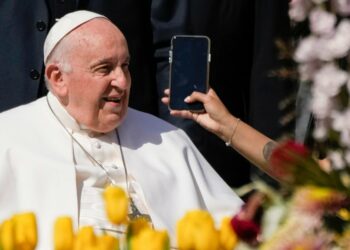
pixel 120 78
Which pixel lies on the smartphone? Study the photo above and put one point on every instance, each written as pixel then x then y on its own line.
pixel 189 59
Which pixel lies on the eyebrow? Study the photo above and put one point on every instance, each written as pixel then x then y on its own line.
pixel 106 60
pixel 101 61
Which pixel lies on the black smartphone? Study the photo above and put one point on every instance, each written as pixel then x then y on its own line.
pixel 189 59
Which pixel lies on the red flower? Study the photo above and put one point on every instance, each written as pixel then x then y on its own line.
pixel 246 230
pixel 246 223
pixel 286 157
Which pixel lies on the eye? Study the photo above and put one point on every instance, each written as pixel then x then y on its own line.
pixel 104 69
pixel 125 66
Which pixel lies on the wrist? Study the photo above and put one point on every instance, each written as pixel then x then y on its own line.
pixel 228 130
pixel 230 141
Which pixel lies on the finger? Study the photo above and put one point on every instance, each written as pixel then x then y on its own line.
pixel 182 113
pixel 211 92
pixel 195 97
pixel 167 92
pixel 195 117
pixel 165 100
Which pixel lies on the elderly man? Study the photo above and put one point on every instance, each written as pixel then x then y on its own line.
pixel 59 152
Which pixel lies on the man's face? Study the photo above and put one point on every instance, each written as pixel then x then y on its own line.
pixel 98 86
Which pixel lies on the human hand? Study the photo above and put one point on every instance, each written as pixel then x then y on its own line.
pixel 216 116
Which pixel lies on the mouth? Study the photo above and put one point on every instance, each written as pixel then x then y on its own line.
pixel 112 99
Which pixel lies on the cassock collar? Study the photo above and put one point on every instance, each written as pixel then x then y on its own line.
pixel 67 120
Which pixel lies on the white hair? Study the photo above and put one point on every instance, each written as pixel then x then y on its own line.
pixel 60 57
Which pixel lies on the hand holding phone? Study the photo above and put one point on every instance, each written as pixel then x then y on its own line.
pixel 189 60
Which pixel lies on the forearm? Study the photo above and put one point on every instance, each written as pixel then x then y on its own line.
pixel 250 143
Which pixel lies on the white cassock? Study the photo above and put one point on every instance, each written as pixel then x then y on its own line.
pixel 38 170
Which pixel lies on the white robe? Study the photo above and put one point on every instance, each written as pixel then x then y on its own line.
pixel 37 172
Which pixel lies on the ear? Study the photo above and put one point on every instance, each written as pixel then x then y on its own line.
pixel 56 80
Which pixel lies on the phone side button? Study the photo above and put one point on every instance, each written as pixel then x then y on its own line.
pixel 170 56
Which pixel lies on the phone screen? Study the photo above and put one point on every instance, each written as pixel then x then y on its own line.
pixel 189 70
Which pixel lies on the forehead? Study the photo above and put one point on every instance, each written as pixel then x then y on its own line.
pixel 98 37
pixel 97 29
pixel 95 26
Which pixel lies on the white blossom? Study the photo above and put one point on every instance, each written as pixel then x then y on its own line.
pixel 340 44
pixel 342 7
pixel 328 80
pixel 306 50
pixel 299 9
pixel 320 57
pixel 347 156
pixel 340 120
pixel 335 45
pixel 320 131
pixel 307 70
pixel 319 1
pixel 336 160
pixel 321 106
pixel 341 123
pixel 345 138
pixel 322 22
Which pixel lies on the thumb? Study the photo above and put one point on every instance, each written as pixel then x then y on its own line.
pixel 195 97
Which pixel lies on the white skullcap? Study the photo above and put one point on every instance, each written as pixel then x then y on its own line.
pixel 65 25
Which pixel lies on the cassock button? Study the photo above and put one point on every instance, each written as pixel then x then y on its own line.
pixel 34 74
pixel 41 25
pixel 114 166
pixel 97 145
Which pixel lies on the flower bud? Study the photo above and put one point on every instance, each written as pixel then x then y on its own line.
pixel 196 231
pixel 63 234
pixel 150 239
pixel 7 235
pixel 25 231
pixel 116 204
pixel 107 242
pixel 228 237
pixel 85 238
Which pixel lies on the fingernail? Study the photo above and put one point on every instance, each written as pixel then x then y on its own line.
pixel 187 99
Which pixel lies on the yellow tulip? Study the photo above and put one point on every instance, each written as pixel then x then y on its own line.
pixel 137 225
pixel 185 231
pixel 319 193
pixel 207 239
pixel 344 214
pixel 116 204
pixel 93 247
pixel 228 237
pixel 7 235
pixel 63 234
pixel 196 231
pixel 107 242
pixel 149 239
pixel 85 238
pixel 25 231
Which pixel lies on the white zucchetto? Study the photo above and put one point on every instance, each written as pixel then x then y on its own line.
pixel 64 26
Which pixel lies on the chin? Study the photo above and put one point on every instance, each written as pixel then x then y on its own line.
pixel 112 125
pixel 111 121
